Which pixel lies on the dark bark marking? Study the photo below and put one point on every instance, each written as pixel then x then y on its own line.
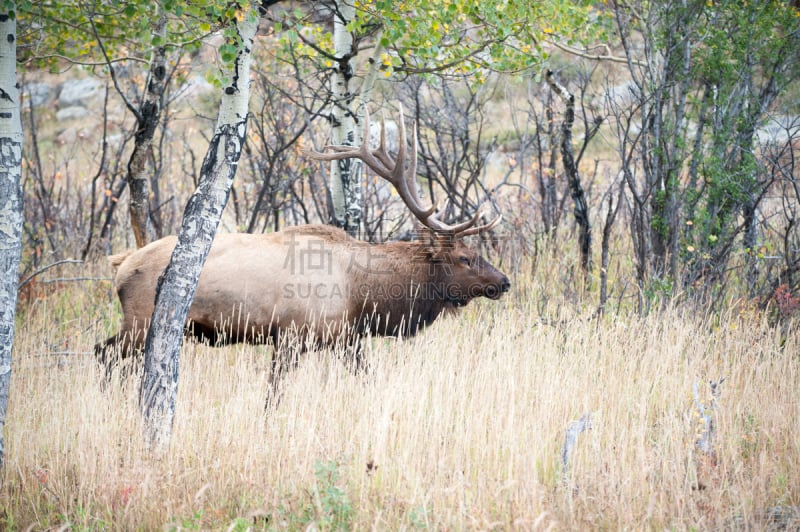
pixel 581 208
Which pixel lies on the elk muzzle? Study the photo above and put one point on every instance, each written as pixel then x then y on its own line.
pixel 496 290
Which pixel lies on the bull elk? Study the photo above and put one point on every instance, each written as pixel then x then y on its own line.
pixel 315 280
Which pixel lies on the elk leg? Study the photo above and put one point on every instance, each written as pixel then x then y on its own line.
pixel 354 357
pixel 284 359
pixel 117 349
pixel 104 353
pixel 102 350
pixel 282 363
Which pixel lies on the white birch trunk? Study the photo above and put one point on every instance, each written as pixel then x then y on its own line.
pixel 368 84
pixel 345 181
pixel 176 288
pixel 10 203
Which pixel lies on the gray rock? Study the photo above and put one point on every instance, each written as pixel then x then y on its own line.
pixel 778 129
pixel 73 134
pixel 71 113
pixel 620 95
pixel 76 92
pixel 68 136
pixel 39 93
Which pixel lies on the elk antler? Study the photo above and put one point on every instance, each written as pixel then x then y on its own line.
pixel 402 178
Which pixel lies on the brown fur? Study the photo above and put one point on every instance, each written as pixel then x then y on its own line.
pixel 314 279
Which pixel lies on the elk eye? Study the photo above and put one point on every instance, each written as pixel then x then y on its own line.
pixel 464 260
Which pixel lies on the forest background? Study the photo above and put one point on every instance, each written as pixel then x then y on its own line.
pixel 655 279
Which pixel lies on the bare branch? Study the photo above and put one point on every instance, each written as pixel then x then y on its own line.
pixel 607 56
pixel 43 269
pixel 121 93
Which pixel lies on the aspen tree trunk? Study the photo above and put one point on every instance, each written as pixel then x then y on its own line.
pixel 581 208
pixel 10 202
pixel 176 287
pixel 345 178
pixel 368 86
pixel 147 120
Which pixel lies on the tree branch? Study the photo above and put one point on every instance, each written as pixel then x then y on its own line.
pixel 122 95
pixel 594 57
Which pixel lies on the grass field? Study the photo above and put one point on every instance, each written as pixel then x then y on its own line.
pixel 459 428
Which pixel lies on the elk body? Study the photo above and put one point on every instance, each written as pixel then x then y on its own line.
pixel 313 281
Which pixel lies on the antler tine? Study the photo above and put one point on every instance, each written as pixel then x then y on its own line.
pixel 402 177
pixel 399 162
pixel 407 189
pixel 362 152
pixel 464 228
pixel 412 172
pixel 381 153
pixel 479 229
pixel 378 164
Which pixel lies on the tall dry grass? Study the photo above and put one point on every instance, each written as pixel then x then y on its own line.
pixel 460 428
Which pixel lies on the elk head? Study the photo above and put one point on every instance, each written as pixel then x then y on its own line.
pixel 468 275
pixel 463 272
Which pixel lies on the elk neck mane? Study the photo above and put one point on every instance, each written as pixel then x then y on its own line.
pixel 395 287
pixel 328 233
pixel 405 288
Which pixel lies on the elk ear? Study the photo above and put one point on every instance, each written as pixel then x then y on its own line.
pixel 437 246
pixel 432 245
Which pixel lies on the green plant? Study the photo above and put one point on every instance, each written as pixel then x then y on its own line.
pixel 418 517
pixel 240 524
pixel 334 509
pixel 192 522
pixel 659 290
pixel 328 508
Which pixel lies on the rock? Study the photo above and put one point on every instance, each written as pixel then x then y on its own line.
pixel 777 129
pixel 72 113
pixel 78 92
pixel 72 135
pixel 39 93
pixel 67 136
pixel 621 95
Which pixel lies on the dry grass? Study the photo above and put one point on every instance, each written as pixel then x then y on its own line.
pixel 460 428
